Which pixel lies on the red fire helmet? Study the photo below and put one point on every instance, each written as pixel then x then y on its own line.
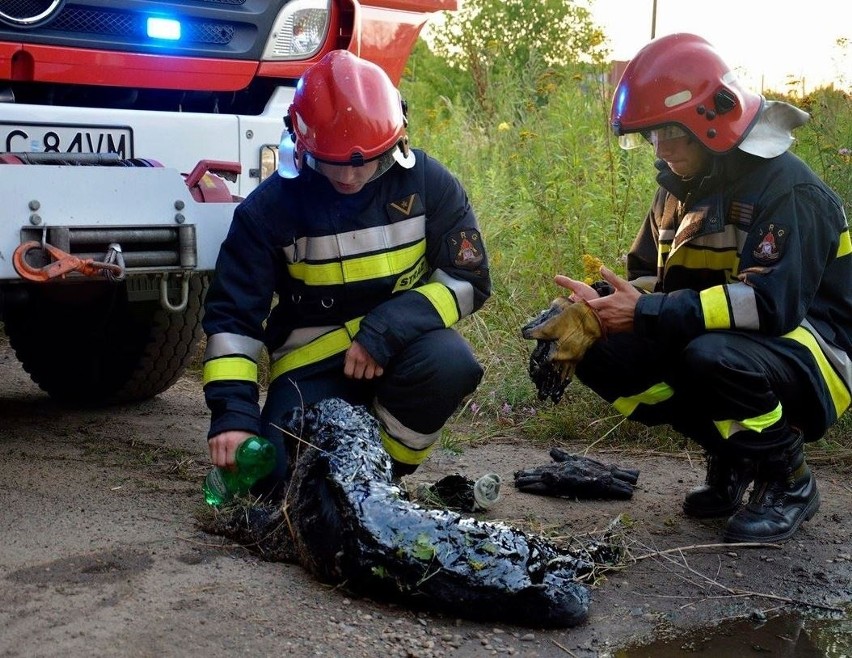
pixel 345 111
pixel 681 80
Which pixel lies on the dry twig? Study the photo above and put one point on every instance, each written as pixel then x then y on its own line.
pixel 732 591
pixel 693 547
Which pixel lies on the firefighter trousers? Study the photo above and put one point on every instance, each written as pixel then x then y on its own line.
pixel 730 391
pixel 419 390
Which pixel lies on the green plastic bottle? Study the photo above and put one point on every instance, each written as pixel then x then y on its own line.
pixel 255 459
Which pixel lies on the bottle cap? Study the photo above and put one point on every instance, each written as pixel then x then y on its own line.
pixel 486 490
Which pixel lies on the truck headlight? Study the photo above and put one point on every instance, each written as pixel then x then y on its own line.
pixel 268 160
pixel 299 31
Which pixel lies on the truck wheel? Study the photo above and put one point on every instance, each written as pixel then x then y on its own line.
pixel 88 344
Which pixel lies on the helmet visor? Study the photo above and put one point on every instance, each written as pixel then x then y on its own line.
pixel 385 161
pixel 653 136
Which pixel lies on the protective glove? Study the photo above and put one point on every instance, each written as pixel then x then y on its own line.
pixel 577 477
pixel 563 333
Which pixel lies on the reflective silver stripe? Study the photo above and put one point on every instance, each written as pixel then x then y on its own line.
pixel 837 357
pixel 667 235
pixel 224 344
pixel 299 338
pixel 743 306
pixel 462 291
pixel 409 438
pixel 742 236
pixel 355 243
pixel 647 283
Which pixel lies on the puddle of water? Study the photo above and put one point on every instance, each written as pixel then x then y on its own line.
pixel 791 636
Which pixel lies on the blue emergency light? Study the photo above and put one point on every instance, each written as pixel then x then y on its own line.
pixel 163 28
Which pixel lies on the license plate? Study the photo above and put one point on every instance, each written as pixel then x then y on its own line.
pixel 66 138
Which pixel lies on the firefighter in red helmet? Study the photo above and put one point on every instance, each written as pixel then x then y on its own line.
pixel 734 324
pixel 350 268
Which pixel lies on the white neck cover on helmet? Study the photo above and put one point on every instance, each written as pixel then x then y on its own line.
pixel 771 134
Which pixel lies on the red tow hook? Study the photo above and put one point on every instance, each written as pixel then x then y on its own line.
pixel 62 264
pixel 206 182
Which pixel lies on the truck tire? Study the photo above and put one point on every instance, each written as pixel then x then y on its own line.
pixel 88 344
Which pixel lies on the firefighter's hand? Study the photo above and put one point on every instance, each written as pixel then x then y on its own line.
pixel 562 333
pixel 615 310
pixel 359 364
pixel 223 447
pixel 577 477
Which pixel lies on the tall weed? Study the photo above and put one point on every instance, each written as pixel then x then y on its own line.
pixel 825 142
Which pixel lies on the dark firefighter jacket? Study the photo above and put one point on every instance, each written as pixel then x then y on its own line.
pixel 758 245
pixel 399 258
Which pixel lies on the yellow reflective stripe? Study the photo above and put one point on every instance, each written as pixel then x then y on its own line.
pixel 401 453
pixel 757 424
pixel 323 347
pixel 845 246
pixel 653 395
pixel 714 305
pixel 230 368
pixel 364 268
pixel 700 259
pixel 353 326
pixel 316 275
pixel 442 299
pixel 386 264
pixel 318 349
pixel 840 395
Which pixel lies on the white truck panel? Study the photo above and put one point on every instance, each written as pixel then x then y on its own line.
pixel 174 143
pixel 105 197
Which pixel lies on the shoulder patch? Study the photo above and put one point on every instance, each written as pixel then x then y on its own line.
pixel 771 245
pixel 408 206
pixel 466 249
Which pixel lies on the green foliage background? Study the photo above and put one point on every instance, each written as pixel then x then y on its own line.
pixel 528 136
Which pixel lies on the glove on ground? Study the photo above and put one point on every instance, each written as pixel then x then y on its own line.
pixel 577 477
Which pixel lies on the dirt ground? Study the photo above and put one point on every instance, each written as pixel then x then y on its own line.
pixel 102 553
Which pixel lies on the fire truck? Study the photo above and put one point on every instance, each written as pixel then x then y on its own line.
pixel 129 131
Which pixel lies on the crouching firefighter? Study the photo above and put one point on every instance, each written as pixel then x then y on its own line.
pixel 736 324
pixel 367 252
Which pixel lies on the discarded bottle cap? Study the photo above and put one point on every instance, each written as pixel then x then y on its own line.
pixel 486 490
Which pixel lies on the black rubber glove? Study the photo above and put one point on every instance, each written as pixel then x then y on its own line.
pixel 577 477
pixel 546 375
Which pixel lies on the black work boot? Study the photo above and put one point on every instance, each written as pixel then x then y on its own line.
pixel 723 490
pixel 784 495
